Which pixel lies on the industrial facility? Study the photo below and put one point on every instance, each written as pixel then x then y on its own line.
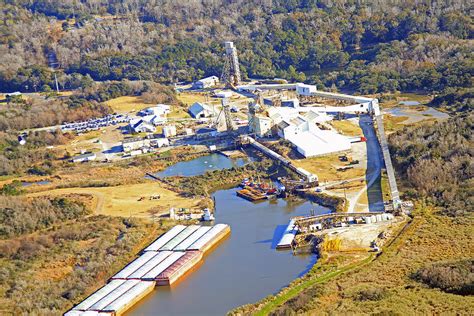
pixel 162 263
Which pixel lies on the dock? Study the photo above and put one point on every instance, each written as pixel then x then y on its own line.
pixel 165 261
pixel 317 223
pixel 289 235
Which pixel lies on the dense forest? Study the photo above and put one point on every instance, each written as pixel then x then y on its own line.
pixel 372 46
pixel 437 161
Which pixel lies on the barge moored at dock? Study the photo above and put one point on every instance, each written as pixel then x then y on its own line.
pixel 163 262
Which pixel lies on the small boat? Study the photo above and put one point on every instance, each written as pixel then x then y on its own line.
pixel 245 183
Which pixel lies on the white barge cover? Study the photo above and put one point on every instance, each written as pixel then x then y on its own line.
pixel 207 237
pixel 129 296
pixel 192 239
pixel 98 295
pixel 162 255
pixel 135 265
pixel 180 237
pixel 162 266
pixel 163 239
pixel 288 236
pixel 84 313
pixel 112 296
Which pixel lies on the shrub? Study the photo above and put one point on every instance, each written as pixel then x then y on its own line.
pixel 453 277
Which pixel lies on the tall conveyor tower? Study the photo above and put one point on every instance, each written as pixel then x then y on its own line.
pixel 231 72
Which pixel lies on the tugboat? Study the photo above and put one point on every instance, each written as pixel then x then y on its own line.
pixel 245 183
pixel 207 216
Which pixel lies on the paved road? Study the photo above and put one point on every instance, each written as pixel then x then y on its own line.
pixel 374 166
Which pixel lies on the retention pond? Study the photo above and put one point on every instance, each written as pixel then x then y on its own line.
pixel 244 268
pixel 200 165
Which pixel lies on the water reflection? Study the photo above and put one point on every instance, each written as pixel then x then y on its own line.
pixel 243 269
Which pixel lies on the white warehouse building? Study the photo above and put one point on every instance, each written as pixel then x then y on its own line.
pixel 207 82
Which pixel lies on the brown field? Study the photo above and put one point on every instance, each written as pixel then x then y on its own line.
pixel 124 201
pixel 127 104
pixel 347 128
pixel 178 113
pixel 188 98
pixel 430 238
pixel 393 123
pixel 325 167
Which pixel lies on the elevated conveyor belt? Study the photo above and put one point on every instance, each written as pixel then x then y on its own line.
pixel 388 162
pixel 307 176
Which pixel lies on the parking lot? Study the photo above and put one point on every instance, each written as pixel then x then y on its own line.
pixel 95 124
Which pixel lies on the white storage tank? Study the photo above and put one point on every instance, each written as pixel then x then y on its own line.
pixel 379 217
pixel 367 219
pixel 373 219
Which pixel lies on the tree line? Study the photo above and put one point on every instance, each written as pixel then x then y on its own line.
pixel 367 47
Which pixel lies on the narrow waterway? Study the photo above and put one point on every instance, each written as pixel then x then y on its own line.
pixel 244 268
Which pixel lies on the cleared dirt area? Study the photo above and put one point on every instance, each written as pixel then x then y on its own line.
pixel 124 200
pixel 326 168
pixel 358 237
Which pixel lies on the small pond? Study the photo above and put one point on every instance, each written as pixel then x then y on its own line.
pixel 202 164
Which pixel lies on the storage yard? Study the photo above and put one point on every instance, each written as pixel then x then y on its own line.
pixel 329 224
pixel 162 263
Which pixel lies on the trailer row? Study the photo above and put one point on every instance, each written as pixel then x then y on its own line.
pixel 95 124
pixel 163 262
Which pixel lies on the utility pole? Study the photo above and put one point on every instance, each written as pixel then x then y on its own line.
pixel 56 81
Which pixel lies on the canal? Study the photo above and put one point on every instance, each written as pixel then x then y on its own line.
pixel 242 269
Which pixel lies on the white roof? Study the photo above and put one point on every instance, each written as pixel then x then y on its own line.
pixel 288 235
pixel 319 142
pixel 208 236
pixel 163 265
pixel 224 94
pixel 198 107
pixel 129 296
pixel 98 295
pixel 210 78
pixel 163 239
pixel 140 122
pixel 193 238
pixel 150 264
pixel 113 295
pixel 135 265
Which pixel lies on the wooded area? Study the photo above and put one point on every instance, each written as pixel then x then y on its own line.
pixel 437 162
pixel 364 46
